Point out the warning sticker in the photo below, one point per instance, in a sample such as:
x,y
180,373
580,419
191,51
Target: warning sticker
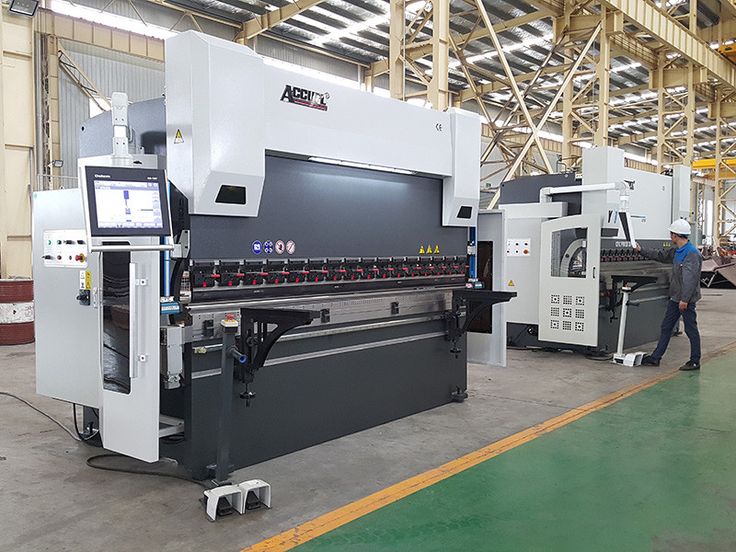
x,y
436,249
511,283
178,138
279,247
421,249
290,247
85,280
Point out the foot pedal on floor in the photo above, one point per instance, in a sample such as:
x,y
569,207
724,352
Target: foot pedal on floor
x,y
240,498
629,359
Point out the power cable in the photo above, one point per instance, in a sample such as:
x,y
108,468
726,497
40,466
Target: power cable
x,y
92,463
49,416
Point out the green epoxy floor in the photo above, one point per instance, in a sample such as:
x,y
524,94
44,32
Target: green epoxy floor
x,y
655,471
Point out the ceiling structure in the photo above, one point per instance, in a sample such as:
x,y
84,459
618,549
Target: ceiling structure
x,y
549,76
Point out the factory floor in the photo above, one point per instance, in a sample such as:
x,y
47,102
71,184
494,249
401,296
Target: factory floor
x,y
617,458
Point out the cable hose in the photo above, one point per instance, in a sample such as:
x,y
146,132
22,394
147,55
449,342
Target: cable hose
x,y
49,416
92,463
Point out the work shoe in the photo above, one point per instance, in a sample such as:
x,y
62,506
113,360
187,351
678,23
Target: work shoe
x,y
690,365
649,360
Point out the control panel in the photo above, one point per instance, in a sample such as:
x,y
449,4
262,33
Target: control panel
x,y
518,247
65,248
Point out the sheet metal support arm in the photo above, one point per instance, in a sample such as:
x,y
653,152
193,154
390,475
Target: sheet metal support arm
x,y
256,340
477,300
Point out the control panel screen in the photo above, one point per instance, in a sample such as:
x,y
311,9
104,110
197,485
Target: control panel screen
x,y
125,201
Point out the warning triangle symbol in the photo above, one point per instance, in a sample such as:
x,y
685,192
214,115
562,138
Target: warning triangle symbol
x,y
511,283
421,250
178,138
436,248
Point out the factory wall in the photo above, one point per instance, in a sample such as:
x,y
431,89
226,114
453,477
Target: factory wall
x,y
110,71
17,136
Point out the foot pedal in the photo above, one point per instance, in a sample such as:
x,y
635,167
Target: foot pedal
x,y
226,499
629,359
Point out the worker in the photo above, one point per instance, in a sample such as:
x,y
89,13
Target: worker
x,y
684,292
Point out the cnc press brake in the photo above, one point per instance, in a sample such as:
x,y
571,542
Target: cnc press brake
x,y
261,252
559,242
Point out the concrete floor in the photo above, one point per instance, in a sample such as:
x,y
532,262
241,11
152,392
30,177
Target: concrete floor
x,y
53,501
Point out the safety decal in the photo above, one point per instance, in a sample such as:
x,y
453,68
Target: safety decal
x,y
436,249
421,249
511,283
178,138
279,247
256,247
268,247
290,247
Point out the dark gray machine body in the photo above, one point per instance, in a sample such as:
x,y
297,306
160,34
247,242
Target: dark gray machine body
x,y
379,350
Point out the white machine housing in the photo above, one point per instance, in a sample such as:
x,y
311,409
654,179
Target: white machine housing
x,y
225,108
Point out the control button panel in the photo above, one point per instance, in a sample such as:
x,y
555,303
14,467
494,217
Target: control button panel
x,y
518,247
65,248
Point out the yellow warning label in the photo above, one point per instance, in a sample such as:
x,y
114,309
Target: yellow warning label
x,y
178,138
87,280
511,283
436,248
421,250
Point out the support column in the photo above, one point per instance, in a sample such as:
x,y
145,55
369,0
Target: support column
x,y
660,111
690,121
603,71
397,30
51,133
568,129
438,91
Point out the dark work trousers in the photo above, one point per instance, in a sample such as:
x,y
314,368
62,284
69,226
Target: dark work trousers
x,y
671,316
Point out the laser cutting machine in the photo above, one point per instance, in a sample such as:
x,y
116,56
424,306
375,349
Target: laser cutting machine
x,y
263,262
566,254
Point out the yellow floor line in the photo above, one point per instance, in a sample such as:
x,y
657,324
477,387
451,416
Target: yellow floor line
x,y
345,514
336,518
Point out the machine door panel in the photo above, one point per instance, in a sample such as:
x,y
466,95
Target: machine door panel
x,y
569,280
129,317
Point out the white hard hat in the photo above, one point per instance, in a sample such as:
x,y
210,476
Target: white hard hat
x,y
680,226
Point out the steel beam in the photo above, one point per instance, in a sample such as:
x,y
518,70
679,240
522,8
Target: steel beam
x,y
667,30
438,90
262,23
397,29
422,49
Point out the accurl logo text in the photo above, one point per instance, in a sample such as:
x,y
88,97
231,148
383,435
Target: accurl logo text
x,y
307,98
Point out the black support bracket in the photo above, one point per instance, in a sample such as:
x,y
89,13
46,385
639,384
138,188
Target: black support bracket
x,y
480,299
258,336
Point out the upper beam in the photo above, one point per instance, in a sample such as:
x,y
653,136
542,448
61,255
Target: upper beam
x,y
262,23
665,29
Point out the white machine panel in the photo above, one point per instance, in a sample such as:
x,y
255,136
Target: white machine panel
x,y
490,348
569,280
129,422
218,139
65,248
66,369
649,194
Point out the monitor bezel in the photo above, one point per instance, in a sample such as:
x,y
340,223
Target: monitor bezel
x,y
126,174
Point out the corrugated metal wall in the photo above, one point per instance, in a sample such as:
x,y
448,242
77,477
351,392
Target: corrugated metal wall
x,y
111,72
